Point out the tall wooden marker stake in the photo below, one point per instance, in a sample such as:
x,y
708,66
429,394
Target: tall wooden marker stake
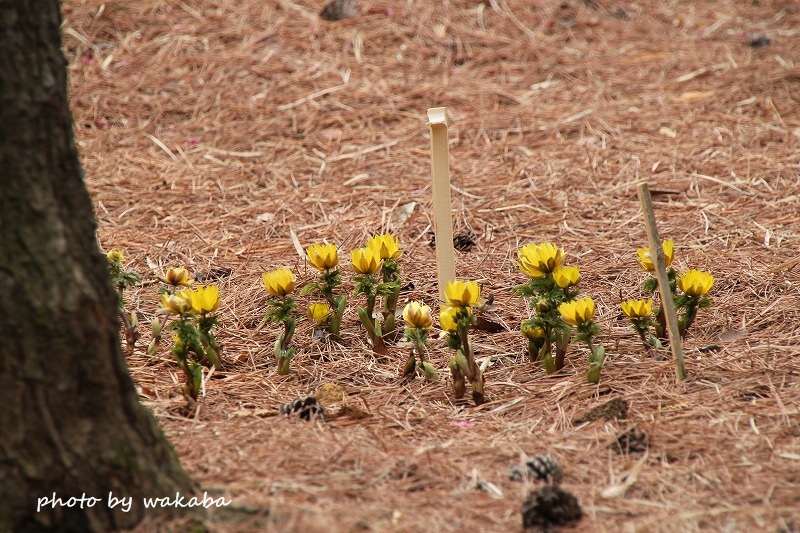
x,y
442,218
657,257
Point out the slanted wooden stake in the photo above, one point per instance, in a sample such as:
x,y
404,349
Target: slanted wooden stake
x,y
657,257
442,218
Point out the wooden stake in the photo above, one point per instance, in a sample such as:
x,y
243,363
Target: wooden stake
x,y
442,218
657,257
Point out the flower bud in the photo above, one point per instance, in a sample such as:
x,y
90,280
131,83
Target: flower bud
x,y
156,327
430,371
418,315
531,332
543,305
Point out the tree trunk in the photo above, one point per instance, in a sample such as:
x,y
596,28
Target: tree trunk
x,y
70,421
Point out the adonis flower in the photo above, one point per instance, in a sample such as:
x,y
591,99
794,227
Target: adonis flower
x,y
177,277
695,283
417,315
116,255
319,312
175,304
323,256
637,308
577,311
646,261
566,277
365,260
447,318
531,332
462,294
278,282
536,260
205,299
386,246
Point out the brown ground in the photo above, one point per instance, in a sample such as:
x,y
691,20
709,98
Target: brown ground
x,y
210,130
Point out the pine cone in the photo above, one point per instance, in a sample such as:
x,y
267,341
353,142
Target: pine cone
x,y
632,441
305,409
538,468
339,10
550,506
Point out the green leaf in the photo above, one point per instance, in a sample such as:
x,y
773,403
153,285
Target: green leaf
x,y
650,285
308,289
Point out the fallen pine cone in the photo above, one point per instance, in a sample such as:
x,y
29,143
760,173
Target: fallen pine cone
x,y
305,409
538,468
339,10
550,506
632,441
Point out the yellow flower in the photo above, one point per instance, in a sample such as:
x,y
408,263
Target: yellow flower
x,y
536,260
646,262
417,315
387,246
365,260
637,308
205,299
177,277
695,283
566,277
577,311
115,255
462,294
323,256
175,304
447,318
531,332
279,282
319,312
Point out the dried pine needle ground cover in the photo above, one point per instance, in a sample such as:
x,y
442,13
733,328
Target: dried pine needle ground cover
x,y
210,130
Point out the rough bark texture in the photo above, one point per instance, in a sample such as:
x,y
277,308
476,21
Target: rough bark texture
x,y
70,421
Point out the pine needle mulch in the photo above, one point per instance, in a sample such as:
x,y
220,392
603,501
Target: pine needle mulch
x,y
212,130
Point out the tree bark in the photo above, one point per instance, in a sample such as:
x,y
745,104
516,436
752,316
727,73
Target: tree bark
x,y
70,421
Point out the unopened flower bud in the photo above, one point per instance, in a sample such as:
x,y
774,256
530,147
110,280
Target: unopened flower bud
x,y
156,327
430,371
